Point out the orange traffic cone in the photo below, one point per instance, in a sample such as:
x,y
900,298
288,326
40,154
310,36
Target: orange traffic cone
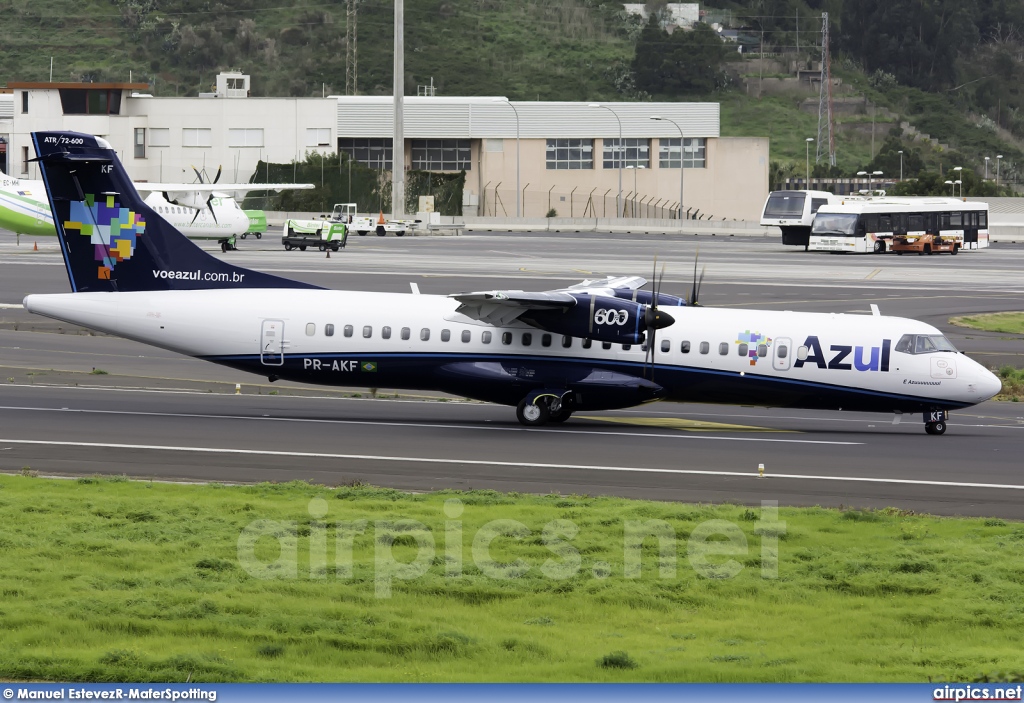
x,y
328,253
381,220
35,246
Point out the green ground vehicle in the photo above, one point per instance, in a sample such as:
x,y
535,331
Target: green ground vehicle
x,y
322,234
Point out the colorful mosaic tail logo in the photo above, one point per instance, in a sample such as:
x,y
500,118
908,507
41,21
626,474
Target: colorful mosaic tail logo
x,y
753,340
113,230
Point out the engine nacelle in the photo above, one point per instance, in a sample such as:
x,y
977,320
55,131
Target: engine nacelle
x,y
646,297
601,318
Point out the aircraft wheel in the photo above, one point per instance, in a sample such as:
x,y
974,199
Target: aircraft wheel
x,y
287,247
879,247
935,427
302,247
560,416
532,414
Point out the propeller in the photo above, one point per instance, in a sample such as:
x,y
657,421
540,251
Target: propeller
x,y
654,319
695,290
199,176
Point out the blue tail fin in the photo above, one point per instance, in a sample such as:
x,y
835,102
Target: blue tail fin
x,y
112,240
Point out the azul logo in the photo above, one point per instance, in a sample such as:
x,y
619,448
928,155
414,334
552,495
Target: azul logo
x,y
753,340
113,230
844,357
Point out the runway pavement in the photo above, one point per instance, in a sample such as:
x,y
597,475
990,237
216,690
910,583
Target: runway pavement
x,y
157,414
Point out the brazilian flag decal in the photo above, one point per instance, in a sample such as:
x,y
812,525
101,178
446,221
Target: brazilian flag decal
x,y
368,365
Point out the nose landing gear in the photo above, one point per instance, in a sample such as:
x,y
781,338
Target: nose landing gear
x,y
935,421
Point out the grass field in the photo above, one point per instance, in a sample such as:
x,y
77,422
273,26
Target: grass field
x,y
114,580
1008,322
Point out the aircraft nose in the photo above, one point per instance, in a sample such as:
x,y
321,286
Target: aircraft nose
x,y
989,384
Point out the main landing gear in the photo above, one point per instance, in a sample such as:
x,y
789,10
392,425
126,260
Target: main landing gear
x,y
935,421
544,407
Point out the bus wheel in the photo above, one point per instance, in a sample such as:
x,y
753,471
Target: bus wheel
x,y
879,247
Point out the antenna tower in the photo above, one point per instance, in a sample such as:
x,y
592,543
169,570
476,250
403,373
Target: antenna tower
x,y
825,132
351,54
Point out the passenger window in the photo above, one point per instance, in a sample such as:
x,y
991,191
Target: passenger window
x,y
328,330
367,332
466,336
406,333
310,329
545,340
566,341
782,351
348,330
801,353
705,347
587,343
385,333
723,348
527,339
606,345
506,338
485,337
666,345
684,347
425,334
742,349
762,350
446,335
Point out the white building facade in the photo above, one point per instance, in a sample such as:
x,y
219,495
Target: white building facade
x,y
576,159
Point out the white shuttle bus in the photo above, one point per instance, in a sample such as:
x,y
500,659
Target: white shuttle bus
x,y
924,225
793,211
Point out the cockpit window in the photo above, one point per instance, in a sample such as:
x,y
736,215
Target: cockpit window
x,y
924,344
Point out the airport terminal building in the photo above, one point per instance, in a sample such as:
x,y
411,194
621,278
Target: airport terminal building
x,y
564,156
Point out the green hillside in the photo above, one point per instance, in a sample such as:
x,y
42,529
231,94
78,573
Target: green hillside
x,y
953,71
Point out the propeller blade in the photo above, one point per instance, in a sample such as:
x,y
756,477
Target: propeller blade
x,y
217,177
194,217
209,204
198,175
703,270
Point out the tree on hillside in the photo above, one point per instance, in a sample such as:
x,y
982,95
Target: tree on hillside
x,y
932,183
887,160
684,62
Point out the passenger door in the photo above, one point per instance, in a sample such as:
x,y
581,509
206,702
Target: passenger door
x,y
272,343
782,354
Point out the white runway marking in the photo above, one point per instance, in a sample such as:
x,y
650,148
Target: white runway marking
x,y
489,428
512,464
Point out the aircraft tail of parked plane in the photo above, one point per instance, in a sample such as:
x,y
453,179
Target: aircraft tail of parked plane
x,y
111,239
585,347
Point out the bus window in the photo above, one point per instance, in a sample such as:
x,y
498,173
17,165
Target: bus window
x,y
884,223
872,222
817,203
956,220
899,223
915,222
785,204
944,221
983,219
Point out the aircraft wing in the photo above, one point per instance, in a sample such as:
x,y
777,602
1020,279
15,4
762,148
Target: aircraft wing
x,y
606,285
500,307
229,190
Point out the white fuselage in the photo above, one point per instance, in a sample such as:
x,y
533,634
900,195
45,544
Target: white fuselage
x,y
804,359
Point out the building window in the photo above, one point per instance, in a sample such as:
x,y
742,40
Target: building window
x,y
570,154
441,155
694,152
494,145
78,101
24,102
201,136
245,137
24,159
159,136
375,153
630,152
318,136
140,142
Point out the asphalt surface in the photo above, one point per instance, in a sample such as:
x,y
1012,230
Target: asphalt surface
x,y
157,414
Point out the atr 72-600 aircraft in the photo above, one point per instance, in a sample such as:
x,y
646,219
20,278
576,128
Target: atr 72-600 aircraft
x,y
197,210
549,354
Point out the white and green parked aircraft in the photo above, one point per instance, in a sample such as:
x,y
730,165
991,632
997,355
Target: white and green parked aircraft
x,y
197,210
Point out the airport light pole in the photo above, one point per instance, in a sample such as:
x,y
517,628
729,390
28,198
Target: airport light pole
x,y
959,182
999,160
952,188
514,110
901,165
682,158
864,174
398,140
986,168
622,157
807,160
874,173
